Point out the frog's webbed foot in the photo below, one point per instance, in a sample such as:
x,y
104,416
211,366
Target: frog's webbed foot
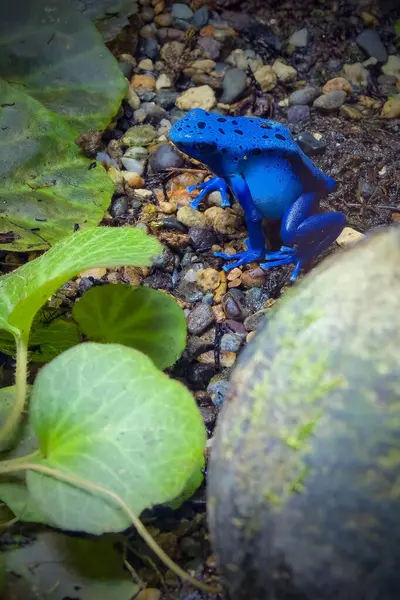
x,y
242,258
284,256
215,184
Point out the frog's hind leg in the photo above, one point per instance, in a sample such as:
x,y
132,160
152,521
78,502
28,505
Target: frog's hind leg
x,y
304,234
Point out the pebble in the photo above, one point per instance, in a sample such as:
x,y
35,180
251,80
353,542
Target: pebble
x,y
202,239
357,74
198,97
239,20
147,14
146,64
182,11
132,98
298,114
210,48
284,72
222,220
139,115
166,98
208,279
163,81
233,85
309,144
231,342
159,280
256,298
126,69
392,67
391,109
370,41
252,322
387,84
331,101
227,359
233,307
106,159
139,135
119,208
218,390
149,47
348,237
143,82
200,318
163,20
143,194
299,38
131,164
350,112
304,96
200,17
149,594
338,83
171,33
243,59
134,180
164,259
153,111
165,157
206,65
136,152
266,77
253,279
191,218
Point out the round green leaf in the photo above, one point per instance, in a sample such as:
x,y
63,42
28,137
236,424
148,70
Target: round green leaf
x,y
58,566
141,318
46,185
57,56
25,290
47,339
106,414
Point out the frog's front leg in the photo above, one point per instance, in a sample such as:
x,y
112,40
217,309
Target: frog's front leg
x,y
305,234
215,184
256,241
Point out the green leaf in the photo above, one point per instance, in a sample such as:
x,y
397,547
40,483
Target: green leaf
x,y
17,497
106,414
142,318
46,186
51,52
57,566
46,339
25,290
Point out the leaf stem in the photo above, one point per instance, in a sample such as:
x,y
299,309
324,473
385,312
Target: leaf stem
x,y
142,531
21,373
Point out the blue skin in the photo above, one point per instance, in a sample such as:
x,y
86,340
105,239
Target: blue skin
x,y
265,170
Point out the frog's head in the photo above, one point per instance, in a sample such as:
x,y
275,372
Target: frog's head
x,y
195,134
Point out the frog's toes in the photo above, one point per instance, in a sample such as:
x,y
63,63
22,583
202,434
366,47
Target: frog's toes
x,y
241,258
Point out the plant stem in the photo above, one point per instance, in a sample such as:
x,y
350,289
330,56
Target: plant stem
x,y
21,373
142,531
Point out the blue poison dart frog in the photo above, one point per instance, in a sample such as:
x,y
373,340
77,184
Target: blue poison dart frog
x,y
266,171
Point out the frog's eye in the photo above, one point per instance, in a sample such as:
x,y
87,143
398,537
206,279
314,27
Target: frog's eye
x,y
201,125
280,136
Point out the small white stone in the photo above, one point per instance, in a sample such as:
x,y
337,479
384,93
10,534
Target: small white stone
x,y
133,165
132,98
392,67
143,194
299,38
163,82
284,72
197,97
348,237
266,77
146,64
